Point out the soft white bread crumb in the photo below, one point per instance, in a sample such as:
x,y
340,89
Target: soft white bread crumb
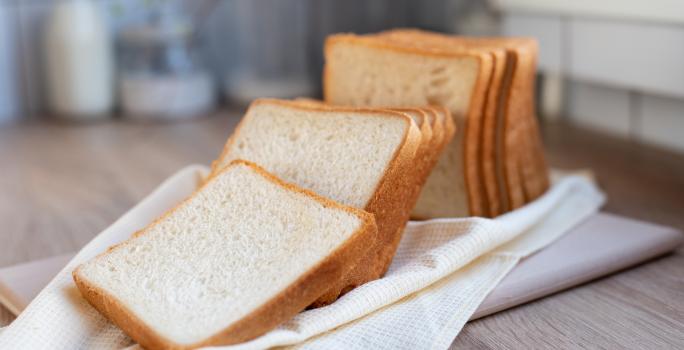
x,y
236,244
358,157
342,155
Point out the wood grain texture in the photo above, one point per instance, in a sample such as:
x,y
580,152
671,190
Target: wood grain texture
x,y
61,184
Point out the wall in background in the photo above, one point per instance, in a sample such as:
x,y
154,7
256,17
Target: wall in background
x,y
10,78
619,75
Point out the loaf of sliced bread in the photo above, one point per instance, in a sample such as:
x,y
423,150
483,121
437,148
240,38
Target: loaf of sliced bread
x,y
358,157
521,167
372,71
243,254
511,162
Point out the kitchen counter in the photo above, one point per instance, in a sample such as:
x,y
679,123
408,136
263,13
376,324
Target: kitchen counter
x,y
60,184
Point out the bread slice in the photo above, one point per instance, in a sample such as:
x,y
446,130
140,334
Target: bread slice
x,y
367,70
243,254
358,157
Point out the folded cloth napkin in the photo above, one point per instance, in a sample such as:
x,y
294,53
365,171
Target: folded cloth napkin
x,y
442,271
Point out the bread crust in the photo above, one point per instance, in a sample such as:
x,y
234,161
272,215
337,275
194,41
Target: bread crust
x,y
445,129
279,309
524,163
427,152
533,167
477,198
422,169
489,135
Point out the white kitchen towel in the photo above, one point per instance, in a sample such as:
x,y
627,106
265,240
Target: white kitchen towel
x,y
443,270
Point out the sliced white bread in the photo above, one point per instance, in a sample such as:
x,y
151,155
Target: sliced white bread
x,y
370,71
521,169
358,157
243,254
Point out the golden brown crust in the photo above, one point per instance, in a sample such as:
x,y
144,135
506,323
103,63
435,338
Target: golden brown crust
x,y
525,166
534,168
442,122
489,135
282,307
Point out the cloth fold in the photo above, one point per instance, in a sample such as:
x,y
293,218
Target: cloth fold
x,y
442,271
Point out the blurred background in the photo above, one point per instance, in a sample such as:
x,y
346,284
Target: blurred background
x,y
614,66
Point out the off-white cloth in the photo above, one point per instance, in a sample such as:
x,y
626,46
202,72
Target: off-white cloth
x,y
442,271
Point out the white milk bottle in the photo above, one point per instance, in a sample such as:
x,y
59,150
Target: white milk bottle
x,y
79,61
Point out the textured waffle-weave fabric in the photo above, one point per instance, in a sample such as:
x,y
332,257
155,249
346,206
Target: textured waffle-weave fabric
x,y
441,273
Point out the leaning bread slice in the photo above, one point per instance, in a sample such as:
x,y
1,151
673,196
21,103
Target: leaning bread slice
x,y
358,157
243,254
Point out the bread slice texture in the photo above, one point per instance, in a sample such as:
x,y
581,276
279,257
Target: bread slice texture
x,y
366,70
358,157
244,253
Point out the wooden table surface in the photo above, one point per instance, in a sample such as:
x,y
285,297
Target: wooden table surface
x,y
60,184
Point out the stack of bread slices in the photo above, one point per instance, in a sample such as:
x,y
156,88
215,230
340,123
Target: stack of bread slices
x,y
309,199
496,162
306,202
